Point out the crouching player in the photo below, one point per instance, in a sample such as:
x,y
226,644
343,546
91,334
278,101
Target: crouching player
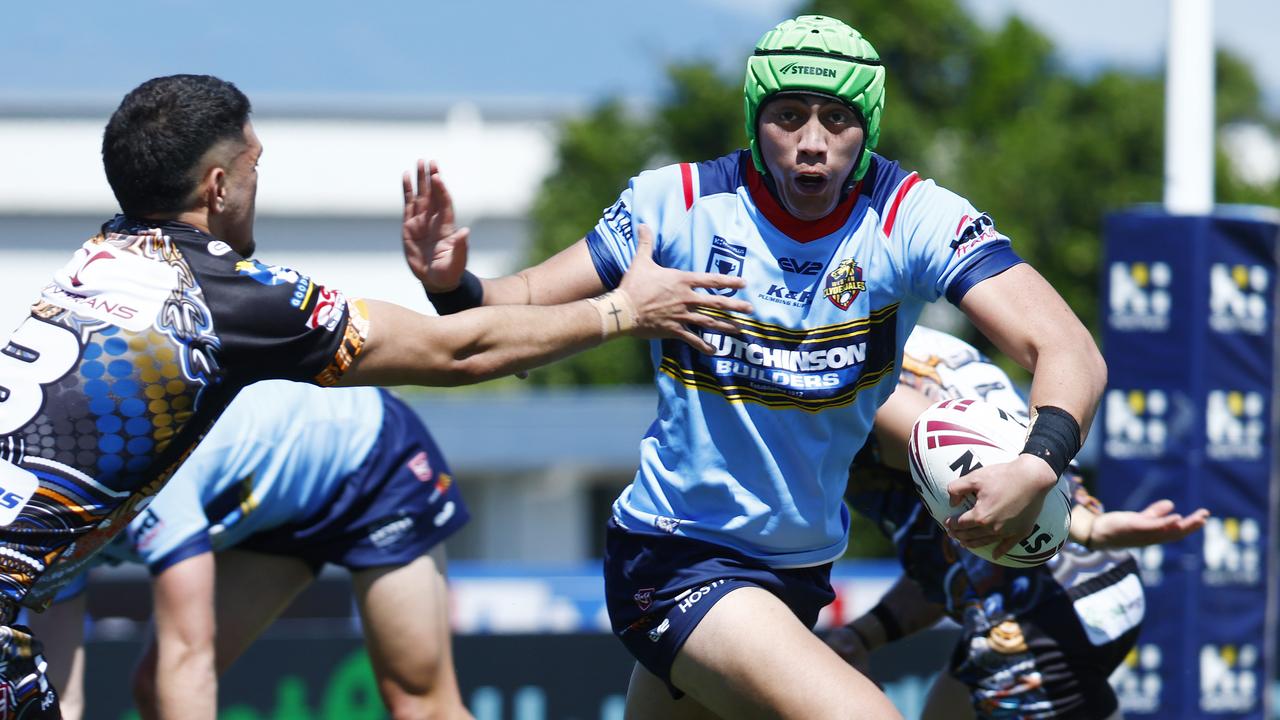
x,y
1036,642
292,477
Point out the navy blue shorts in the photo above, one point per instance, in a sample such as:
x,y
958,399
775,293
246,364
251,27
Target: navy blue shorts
x,y
394,509
659,587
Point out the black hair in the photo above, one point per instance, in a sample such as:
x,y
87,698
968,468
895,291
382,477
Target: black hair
x,y
160,132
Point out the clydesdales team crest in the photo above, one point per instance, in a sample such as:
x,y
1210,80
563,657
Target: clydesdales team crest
x,y
844,283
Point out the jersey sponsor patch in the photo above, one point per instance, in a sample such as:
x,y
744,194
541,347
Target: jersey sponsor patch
x,y
114,286
844,283
972,232
726,259
329,309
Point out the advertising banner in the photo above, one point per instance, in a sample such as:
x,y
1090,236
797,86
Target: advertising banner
x,y
1189,338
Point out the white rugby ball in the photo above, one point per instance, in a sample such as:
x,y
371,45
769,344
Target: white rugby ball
x,y
954,437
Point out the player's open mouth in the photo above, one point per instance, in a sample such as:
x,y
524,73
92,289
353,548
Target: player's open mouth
x,y
810,183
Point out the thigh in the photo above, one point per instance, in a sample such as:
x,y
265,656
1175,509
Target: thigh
x,y
406,624
252,590
648,697
750,657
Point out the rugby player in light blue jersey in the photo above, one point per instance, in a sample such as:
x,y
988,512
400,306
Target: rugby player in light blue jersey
x,y
290,478
718,554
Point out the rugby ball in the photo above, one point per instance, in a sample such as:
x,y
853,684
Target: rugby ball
x,y
955,437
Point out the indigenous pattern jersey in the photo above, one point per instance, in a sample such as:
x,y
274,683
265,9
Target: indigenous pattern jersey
x,y
752,445
131,352
279,454
976,593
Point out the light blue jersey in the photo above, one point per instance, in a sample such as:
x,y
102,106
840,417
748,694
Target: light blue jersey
x,y
277,455
752,446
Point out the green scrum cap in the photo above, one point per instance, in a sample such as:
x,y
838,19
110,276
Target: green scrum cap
x,y
821,55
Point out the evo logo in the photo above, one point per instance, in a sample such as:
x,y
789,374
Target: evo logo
x,y
1238,298
800,267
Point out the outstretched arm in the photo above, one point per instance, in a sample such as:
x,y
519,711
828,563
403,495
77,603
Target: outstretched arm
x,y
1155,524
1026,318
435,248
483,343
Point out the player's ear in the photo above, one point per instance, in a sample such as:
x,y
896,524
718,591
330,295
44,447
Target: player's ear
x,y
214,189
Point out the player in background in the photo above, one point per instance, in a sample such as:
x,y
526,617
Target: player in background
x,y
143,338
718,555
1037,643
290,478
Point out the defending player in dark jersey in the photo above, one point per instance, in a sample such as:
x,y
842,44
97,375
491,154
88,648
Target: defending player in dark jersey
x,y
158,320
1037,643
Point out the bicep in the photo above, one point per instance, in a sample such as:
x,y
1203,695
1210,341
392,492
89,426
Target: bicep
x,y
1022,314
401,347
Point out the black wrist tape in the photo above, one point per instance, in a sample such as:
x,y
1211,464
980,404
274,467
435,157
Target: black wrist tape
x,y
884,616
1054,437
468,294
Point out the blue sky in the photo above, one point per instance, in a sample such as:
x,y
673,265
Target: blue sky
x,y
555,50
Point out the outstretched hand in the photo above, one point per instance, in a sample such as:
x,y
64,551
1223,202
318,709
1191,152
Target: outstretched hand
x,y
1007,500
434,247
1155,524
666,301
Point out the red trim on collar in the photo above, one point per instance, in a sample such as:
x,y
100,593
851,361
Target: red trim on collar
x,y
686,179
795,228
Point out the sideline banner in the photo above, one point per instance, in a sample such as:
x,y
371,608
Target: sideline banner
x,y
1190,341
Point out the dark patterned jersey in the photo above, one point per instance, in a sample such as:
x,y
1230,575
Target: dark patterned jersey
x,y
129,355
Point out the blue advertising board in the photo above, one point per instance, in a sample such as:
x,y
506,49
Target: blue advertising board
x,y
1189,337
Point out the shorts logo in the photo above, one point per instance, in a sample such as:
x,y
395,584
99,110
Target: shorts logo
x,y
726,259
844,283
1136,423
1230,679
1137,681
1238,298
656,634
445,514
1232,551
1235,423
330,308
644,599
1139,297
687,599
420,466
390,532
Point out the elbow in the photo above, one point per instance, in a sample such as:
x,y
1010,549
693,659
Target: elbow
x,y
1097,370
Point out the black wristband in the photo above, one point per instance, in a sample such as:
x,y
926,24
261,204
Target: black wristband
x,y
468,294
888,623
1054,437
